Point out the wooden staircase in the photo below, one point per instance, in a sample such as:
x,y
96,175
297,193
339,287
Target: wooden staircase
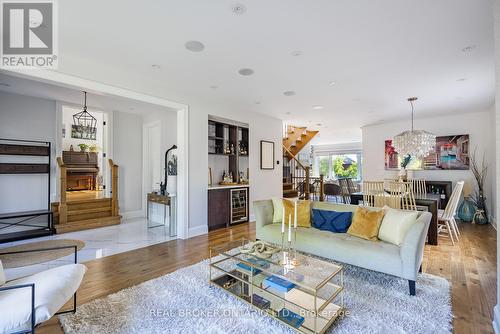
x,y
84,214
295,175
296,139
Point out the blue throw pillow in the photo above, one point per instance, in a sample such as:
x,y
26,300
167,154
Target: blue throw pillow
x,y
332,221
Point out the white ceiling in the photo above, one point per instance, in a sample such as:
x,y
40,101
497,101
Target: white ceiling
x,y
377,52
95,100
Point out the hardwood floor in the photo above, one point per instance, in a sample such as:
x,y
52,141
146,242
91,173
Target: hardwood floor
x,y
470,266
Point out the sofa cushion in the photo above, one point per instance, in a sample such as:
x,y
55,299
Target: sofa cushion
x,y
332,221
375,255
366,223
278,210
303,212
395,225
53,288
2,274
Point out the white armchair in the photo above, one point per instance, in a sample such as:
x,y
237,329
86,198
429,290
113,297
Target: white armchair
x,y
28,301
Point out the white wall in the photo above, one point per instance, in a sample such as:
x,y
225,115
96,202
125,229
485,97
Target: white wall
x,y
168,121
476,124
127,154
29,118
264,184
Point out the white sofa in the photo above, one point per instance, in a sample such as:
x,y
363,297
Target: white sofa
x,y
42,294
403,261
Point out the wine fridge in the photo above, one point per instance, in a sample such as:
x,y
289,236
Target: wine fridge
x,y
239,205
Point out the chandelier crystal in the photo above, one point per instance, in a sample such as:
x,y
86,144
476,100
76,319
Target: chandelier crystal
x,y
416,143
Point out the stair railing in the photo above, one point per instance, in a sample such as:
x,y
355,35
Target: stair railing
x,y
63,208
114,188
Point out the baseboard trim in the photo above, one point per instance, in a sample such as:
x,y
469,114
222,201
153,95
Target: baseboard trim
x,y
493,222
496,319
197,230
132,214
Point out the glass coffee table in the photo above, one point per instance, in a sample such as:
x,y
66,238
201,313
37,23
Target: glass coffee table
x,y
307,296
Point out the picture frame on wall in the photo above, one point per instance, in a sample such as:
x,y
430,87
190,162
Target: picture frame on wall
x,y
266,155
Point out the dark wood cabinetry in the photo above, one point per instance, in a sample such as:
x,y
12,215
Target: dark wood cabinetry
x,y
219,209
227,206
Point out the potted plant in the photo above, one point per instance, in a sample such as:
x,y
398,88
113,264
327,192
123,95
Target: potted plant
x,y
83,147
94,148
478,197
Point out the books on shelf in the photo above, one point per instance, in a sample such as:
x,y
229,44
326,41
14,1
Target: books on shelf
x,y
257,262
291,318
278,284
248,268
260,302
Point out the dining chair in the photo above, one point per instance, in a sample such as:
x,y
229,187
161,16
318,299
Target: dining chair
x,y
401,196
419,187
446,217
373,193
344,191
334,190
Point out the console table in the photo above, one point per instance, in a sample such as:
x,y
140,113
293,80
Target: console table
x,y
169,201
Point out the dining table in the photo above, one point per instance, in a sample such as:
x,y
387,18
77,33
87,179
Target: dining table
x,y
426,202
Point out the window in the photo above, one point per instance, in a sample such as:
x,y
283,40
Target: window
x,y
338,165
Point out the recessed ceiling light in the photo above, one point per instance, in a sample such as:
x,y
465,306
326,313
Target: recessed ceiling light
x,y
318,107
239,9
214,87
246,71
469,48
297,53
288,113
257,102
461,79
156,66
332,83
356,99
4,84
195,46
318,124
289,93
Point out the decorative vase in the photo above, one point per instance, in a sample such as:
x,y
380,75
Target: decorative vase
x,y
466,210
480,217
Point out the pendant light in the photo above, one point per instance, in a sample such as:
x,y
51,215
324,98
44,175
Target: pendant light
x,y
416,143
85,123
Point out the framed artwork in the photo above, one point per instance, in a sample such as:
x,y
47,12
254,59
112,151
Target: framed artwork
x,y
450,153
266,154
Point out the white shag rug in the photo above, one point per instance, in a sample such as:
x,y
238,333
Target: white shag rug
x,y
184,302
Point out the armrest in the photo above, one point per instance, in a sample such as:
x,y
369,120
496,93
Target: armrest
x,y
74,247
263,213
412,249
24,286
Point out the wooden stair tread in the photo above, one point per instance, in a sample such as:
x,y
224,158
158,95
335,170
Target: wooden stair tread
x,y
87,224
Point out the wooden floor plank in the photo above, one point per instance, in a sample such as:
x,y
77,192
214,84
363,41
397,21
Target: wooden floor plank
x,y
470,267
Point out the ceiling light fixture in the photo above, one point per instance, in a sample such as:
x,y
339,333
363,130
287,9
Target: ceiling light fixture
x,y
156,66
85,123
289,93
257,102
288,113
318,107
239,9
246,71
332,83
4,84
214,87
194,46
414,143
461,79
297,53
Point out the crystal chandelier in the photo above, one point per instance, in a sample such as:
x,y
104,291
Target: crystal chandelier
x,y
416,143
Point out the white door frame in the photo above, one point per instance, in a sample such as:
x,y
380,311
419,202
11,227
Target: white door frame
x,y
65,80
146,162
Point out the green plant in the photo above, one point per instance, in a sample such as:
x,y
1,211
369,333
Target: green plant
x,y
345,170
94,148
83,147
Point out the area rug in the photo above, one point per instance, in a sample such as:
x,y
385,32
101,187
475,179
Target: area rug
x,y
27,259
184,302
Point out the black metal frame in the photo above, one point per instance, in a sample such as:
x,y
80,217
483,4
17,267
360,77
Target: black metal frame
x,y
32,285
49,230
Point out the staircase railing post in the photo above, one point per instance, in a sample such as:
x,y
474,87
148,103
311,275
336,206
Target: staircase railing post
x,y
114,188
63,208
306,184
321,188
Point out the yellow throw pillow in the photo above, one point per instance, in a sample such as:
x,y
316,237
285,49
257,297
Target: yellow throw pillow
x,y
303,212
366,223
